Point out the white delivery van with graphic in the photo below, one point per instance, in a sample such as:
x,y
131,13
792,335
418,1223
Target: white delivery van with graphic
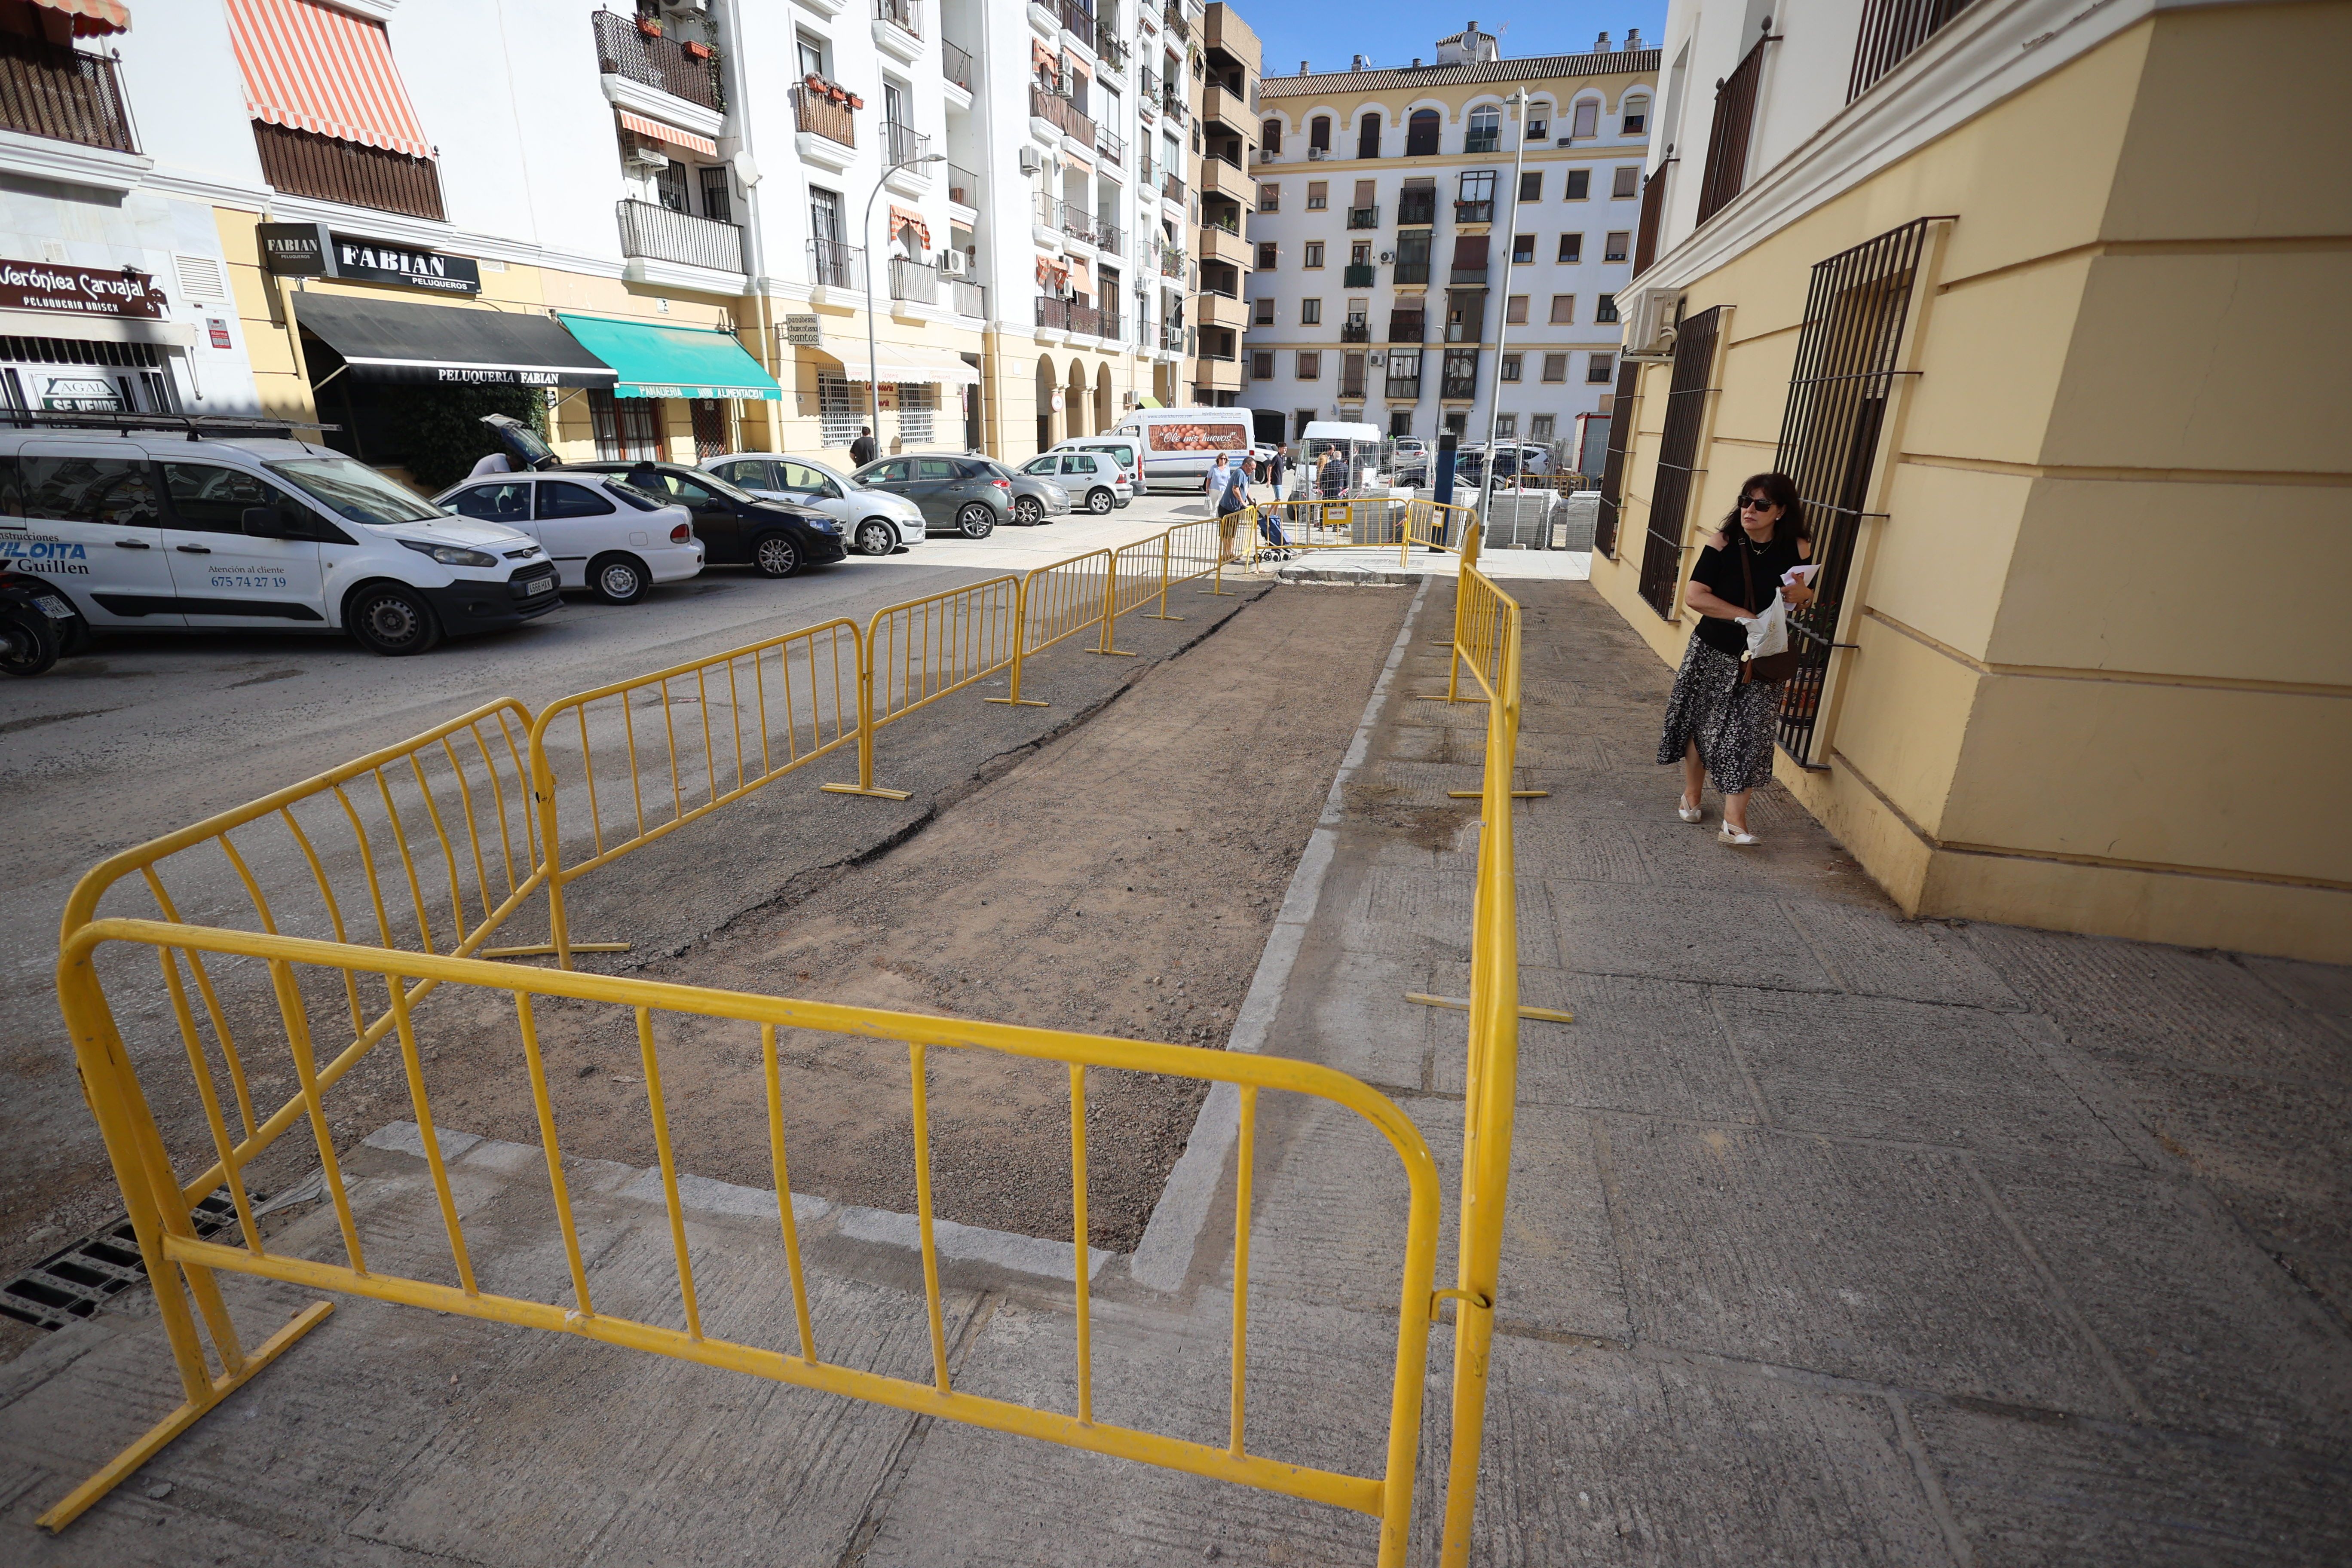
x,y
1181,445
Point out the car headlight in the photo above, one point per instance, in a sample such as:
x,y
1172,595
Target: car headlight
x,y
824,525
451,555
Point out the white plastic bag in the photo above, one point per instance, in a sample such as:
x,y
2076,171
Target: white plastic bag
x,y
1768,631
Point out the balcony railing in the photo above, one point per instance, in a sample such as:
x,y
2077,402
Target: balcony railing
x,y
1411,272
1727,140
820,116
1076,222
1406,328
832,264
1891,30
1404,388
62,94
1110,146
1171,103
1172,187
1110,327
1466,274
1078,22
906,15
914,281
1110,241
1147,81
1054,311
1459,387
1474,212
1351,387
1172,339
1173,15
1413,210
1085,318
1354,331
963,186
1109,49
1061,114
304,164
650,230
1359,275
623,49
903,143
970,298
1364,217
955,63
1171,263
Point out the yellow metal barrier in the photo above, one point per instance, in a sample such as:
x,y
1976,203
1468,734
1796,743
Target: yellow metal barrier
x,y
1486,640
918,652
783,703
1363,523
176,1256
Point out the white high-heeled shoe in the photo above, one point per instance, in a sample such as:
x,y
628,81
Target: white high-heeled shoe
x,y
1736,836
1689,813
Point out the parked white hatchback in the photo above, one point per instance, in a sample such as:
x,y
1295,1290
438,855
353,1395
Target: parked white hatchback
x,y
1095,482
606,536
875,522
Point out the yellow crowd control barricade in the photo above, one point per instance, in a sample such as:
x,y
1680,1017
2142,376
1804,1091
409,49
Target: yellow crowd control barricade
x,y
1282,528
1488,642
681,742
184,1268
920,651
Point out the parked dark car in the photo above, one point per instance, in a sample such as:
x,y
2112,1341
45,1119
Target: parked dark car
x,y
971,495
776,538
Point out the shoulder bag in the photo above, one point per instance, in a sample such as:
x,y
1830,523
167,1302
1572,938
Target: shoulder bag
x,y
1773,669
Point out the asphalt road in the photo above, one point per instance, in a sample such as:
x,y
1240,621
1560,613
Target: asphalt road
x,y
146,734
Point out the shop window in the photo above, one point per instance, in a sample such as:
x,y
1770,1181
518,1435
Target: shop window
x,y
1555,367
1626,182
625,427
918,409
1580,185
1563,310
1572,249
1600,368
1511,367
1310,312
838,410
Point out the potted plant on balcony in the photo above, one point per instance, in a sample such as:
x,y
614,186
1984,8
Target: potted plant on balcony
x,y
649,25
699,51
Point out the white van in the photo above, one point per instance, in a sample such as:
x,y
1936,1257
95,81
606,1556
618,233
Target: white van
x,y
156,522
1181,445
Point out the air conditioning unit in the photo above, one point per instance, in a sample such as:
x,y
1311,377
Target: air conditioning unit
x,y
1031,161
645,160
1317,154
952,262
1650,317
687,7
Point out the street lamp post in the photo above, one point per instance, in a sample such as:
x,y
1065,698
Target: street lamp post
x,y
873,353
1518,100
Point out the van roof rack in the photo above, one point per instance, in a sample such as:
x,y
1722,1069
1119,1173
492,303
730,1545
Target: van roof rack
x,y
195,425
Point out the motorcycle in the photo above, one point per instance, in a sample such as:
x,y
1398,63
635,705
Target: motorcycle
x,y
37,625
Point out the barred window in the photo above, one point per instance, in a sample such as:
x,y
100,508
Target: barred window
x,y
918,407
837,406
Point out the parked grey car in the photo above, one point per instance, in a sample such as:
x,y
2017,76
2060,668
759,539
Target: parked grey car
x,y
1036,498
970,495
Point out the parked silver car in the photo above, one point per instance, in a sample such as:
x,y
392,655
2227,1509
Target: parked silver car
x,y
875,522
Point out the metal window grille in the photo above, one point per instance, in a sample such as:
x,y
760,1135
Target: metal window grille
x,y
1654,202
1614,464
1662,555
1891,30
1727,140
919,407
1854,313
836,411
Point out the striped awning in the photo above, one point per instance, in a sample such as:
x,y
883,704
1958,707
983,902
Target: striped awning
x,y
309,67
900,218
91,17
669,134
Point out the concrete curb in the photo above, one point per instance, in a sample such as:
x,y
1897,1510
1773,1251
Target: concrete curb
x,y
1164,1257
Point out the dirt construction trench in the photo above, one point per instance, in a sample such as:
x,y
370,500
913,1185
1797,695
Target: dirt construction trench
x,y
1120,881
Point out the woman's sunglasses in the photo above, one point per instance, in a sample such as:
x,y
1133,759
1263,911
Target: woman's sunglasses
x,y
1754,503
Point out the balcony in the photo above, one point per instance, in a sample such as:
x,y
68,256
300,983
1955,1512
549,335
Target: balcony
x,y
1053,313
1474,212
1146,82
970,298
653,232
64,95
1219,106
625,49
1406,327
1459,388
1891,30
1075,221
1171,103
1171,262
1358,276
1354,331
963,187
1402,389
955,63
1080,23
904,144
819,119
303,164
1476,142
913,282
1061,114
1172,188
1110,147
1114,55
1410,272
1727,139
1110,329
1364,217
1468,274
1415,208
1086,318
899,29
1351,387
1172,15
1109,240
1171,339
832,264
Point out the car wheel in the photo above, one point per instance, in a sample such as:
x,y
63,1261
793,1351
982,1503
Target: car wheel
x,y
875,537
976,520
1028,512
1100,501
388,619
775,556
28,641
618,579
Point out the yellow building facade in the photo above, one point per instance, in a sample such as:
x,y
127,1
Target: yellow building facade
x,y
2075,681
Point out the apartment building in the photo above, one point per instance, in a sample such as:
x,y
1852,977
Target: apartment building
x,y
2044,308
1397,256
686,225
1224,84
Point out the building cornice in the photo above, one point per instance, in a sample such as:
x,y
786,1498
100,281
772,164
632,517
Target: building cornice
x,y
1538,68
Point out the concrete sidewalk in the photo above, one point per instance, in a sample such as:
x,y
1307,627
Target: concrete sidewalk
x,y
1834,1238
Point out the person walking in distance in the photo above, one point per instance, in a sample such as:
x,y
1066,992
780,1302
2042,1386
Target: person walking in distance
x,y
1721,713
862,451
1274,466
1220,487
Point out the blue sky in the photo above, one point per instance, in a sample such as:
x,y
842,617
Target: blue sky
x,y
1392,32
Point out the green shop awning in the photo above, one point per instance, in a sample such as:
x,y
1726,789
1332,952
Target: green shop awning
x,y
672,361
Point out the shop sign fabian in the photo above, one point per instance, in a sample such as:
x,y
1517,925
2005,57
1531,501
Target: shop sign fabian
x,y
309,251
79,290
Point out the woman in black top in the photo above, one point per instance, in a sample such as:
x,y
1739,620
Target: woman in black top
x,y
1715,723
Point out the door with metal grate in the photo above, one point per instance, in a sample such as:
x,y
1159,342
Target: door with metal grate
x,y
1670,491
709,429
1846,355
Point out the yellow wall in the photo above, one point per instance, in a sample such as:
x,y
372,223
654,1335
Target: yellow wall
x,y
2088,691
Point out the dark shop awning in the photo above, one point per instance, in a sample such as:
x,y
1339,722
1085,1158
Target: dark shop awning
x,y
446,345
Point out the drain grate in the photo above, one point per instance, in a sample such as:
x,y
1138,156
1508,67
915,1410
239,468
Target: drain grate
x,y
69,1286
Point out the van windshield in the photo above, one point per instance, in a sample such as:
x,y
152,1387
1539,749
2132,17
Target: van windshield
x,y
355,491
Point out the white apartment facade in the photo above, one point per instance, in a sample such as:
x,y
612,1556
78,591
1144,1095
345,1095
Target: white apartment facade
x,y
1396,257
710,190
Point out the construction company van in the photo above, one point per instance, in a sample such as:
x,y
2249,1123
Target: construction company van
x,y
1181,445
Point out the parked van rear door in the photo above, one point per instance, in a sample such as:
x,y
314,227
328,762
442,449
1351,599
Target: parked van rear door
x,y
92,524
227,577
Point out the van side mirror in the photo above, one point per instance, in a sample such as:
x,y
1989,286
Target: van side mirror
x,y
272,522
